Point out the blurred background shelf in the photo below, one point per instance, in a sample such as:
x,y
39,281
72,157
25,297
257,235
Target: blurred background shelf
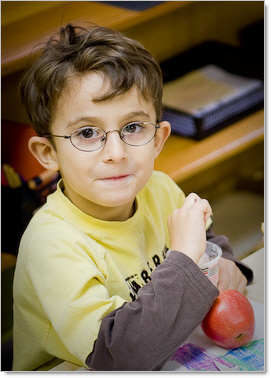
x,y
212,167
26,24
166,29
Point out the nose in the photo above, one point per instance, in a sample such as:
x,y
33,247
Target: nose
x,y
114,149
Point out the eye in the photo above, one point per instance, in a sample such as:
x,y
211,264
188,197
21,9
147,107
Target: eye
x,y
133,128
87,133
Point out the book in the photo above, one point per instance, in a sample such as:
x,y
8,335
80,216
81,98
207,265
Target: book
x,y
209,98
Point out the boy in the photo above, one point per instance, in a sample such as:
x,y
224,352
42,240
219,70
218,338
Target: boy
x,y
95,283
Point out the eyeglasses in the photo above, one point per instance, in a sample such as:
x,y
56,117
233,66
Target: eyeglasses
x,y
90,138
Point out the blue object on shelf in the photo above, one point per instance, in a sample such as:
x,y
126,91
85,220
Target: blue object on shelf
x,y
134,5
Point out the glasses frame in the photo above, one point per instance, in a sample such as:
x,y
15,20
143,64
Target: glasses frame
x,y
104,137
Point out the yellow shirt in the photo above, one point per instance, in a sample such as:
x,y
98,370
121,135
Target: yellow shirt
x,y
73,269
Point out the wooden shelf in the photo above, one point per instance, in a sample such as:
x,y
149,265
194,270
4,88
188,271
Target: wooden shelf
x,y
21,36
183,158
165,30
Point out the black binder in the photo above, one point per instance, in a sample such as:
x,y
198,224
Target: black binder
x,y
247,95
237,63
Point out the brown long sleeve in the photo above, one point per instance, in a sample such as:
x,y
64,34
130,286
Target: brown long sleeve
x,y
142,335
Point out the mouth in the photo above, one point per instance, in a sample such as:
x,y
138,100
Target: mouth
x,y
115,178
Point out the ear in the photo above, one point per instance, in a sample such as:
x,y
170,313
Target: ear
x,y
161,136
44,152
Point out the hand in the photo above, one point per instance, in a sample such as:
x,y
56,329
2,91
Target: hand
x,y
230,276
187,227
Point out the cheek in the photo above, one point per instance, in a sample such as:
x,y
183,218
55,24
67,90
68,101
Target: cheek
x,y
72,164
147,154
145,160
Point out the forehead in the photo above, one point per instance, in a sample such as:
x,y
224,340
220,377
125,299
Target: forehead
x,y
91,85
79,98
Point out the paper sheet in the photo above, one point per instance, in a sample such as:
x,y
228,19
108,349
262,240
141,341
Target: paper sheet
x,y
199,353
205,89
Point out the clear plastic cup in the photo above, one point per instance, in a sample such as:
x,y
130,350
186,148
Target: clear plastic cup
x,y
208,263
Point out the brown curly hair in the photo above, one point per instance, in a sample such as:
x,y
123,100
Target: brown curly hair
x,y
76,50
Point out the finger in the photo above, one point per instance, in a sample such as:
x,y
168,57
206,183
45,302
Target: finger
x,y
242,285
191,199
237,279
223,282
232,277
222,285
204,206
224,274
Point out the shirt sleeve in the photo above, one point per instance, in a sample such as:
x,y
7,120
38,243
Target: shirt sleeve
x,y
227,253
143,334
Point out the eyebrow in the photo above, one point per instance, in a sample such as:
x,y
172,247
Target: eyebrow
x,y
139,113
81,119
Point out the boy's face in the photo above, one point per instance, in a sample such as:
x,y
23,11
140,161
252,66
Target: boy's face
x,y
104,183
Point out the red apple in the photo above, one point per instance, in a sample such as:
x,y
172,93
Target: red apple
x,y
230,322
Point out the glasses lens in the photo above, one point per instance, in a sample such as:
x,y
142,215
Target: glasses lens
x,y
88,138
138,133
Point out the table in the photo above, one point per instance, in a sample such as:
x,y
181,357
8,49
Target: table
x,y
254,292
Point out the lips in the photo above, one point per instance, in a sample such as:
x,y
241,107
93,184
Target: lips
x,y
115,178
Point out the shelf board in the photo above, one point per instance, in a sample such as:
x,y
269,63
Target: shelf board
x,y
20,36
183,158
